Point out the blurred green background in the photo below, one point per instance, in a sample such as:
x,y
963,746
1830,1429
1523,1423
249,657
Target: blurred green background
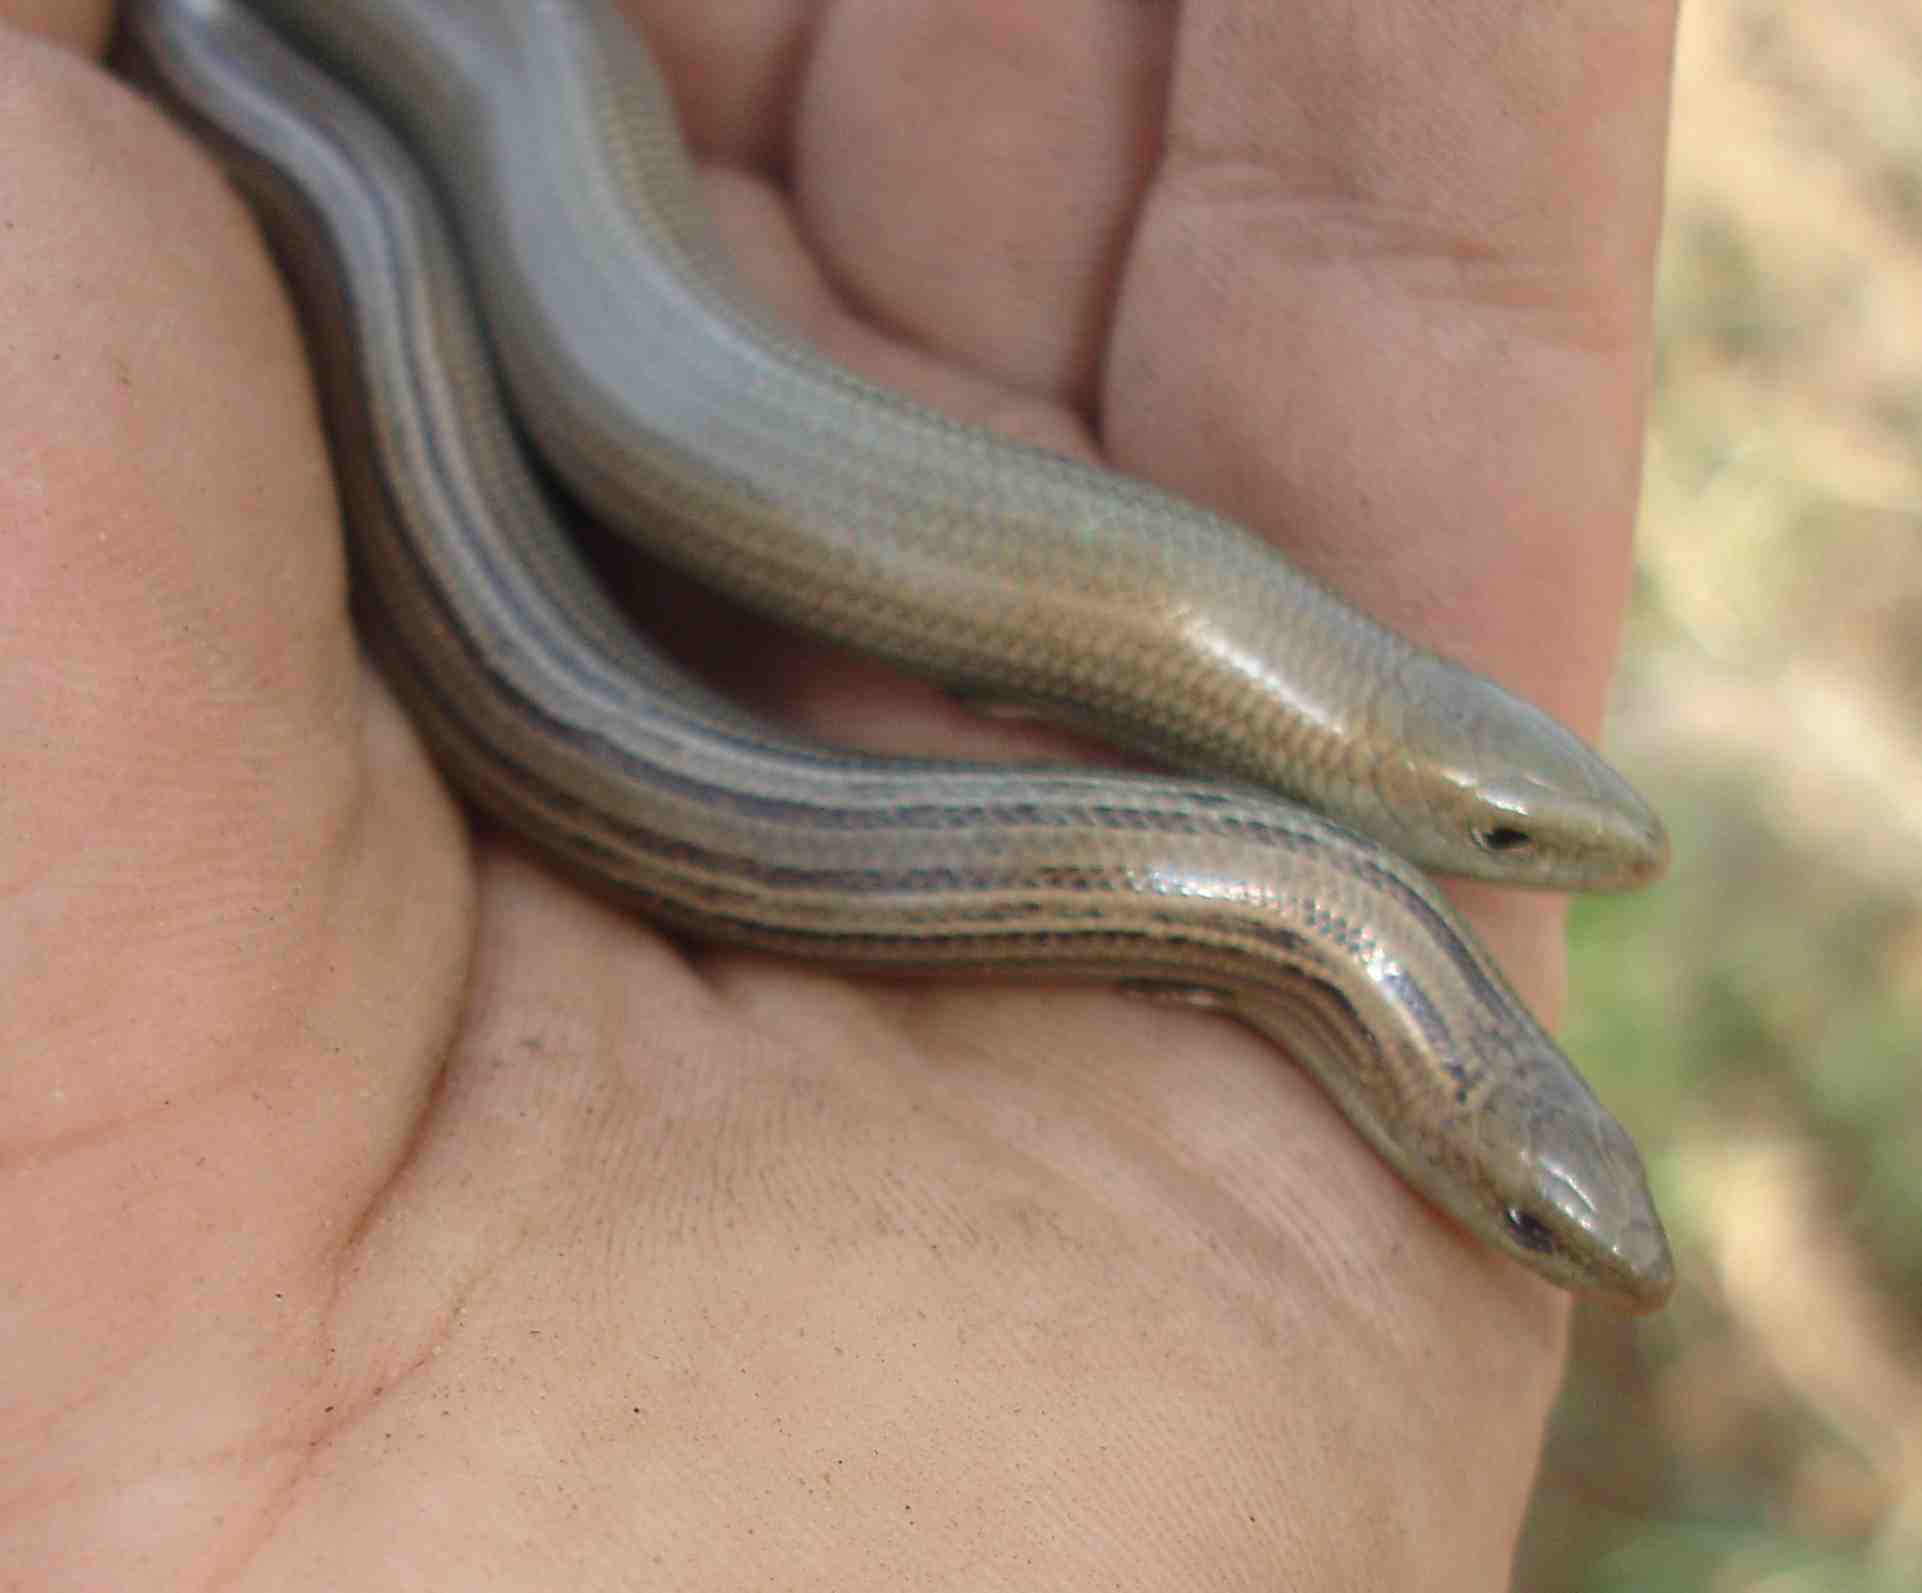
x,y
1757,1019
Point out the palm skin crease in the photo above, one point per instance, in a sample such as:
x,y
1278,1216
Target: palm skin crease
x,y
382,1211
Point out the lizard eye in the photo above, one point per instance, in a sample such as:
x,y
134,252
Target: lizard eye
x,y
1503,838
1530,1232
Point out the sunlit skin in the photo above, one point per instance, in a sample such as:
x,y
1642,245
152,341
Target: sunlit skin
x,y
353,1164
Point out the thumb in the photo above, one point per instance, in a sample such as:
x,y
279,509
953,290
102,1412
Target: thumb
x,y
232,895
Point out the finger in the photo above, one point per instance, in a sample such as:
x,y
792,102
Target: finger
x,y
954,180
733,72
80,25
1390,300
969,170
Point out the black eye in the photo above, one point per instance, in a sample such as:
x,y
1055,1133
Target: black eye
x,y
1503,838
1531,1233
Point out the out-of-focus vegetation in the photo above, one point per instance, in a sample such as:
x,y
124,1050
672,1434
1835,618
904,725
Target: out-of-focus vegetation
x,y
1757,1020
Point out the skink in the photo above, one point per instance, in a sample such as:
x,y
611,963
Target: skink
x,y
548,712
680,414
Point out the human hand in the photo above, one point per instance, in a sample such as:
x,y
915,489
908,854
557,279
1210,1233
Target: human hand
x,y
386,1211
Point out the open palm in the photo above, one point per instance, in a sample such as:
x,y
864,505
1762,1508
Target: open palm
x,y
382,1211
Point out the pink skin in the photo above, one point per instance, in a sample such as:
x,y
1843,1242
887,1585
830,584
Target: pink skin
x,y
381,1209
